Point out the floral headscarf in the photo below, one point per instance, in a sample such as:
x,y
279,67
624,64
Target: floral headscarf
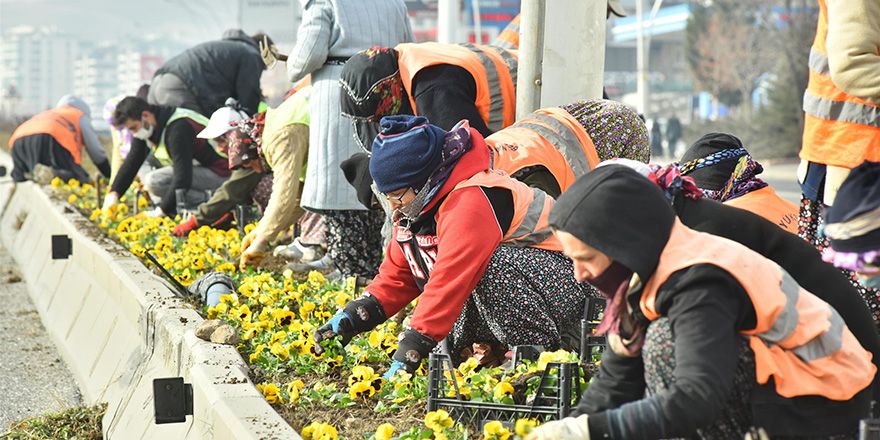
x,y
246,141
616,130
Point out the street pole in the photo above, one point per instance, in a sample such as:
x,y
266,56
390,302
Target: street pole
x,y
641,77
531,55
573,71
448,17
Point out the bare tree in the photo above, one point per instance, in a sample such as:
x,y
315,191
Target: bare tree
x,y
729,50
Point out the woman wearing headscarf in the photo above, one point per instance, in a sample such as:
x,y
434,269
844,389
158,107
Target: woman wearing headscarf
x,y
549,148
470,242
800,259
276,140
726,172
331,32
752,351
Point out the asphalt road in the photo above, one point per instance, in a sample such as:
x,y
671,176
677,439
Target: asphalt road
x,y
33,378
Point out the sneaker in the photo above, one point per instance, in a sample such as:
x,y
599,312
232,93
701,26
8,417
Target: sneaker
x,y
324,265
298,251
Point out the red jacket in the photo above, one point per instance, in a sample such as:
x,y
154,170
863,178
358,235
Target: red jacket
x,y
454,246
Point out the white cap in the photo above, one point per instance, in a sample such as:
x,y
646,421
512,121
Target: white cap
x,y
223,120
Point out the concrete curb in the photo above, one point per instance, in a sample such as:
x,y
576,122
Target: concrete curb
x,y
118,327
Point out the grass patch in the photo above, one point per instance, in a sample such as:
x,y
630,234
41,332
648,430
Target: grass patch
x,y
80,422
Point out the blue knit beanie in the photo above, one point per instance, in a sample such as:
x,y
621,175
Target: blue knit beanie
x,y
405,153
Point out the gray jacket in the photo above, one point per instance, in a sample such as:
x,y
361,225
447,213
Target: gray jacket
x,y
216,70
337,29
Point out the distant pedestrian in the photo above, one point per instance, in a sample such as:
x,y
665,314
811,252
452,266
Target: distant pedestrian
x,y
656,139
673,134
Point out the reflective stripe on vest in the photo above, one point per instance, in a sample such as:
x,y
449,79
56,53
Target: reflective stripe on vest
x,y
766,203
493,70
62,123
530,226
550,137
161,152
839,129
799,340
509,37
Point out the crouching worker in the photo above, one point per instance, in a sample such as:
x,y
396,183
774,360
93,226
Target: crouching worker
x,y
170,133
706,338
726,172
274,141
472,243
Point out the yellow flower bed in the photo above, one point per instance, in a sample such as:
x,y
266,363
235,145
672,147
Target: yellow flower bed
x,y
276,315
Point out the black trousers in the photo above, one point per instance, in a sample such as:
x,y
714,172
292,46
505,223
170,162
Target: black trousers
x,y
42,148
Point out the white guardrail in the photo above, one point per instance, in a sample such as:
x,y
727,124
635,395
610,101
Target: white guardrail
x,y
118,327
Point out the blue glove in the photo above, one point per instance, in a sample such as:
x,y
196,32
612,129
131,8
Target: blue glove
x,y
339,325
395,367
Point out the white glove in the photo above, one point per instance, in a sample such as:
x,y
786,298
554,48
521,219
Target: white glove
x,y
569,428
155,212
110,200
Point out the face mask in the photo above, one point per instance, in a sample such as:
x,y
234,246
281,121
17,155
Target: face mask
x,y
870,281
144,133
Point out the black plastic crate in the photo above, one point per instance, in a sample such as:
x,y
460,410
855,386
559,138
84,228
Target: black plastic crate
x,y
556,395
591,345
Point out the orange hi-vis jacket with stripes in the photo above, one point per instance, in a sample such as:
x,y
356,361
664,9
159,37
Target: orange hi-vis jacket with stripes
x,y
799,340
529,226
839,129
766,203
62,123
493,69
550,137
509,37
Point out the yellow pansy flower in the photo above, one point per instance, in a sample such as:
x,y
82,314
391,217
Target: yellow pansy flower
x,y
384,431
494,430
438,420
525,426
270,392
503,389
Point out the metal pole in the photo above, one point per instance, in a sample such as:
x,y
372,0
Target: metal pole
x,y
448,16
478,23
573,72
642,77
531,57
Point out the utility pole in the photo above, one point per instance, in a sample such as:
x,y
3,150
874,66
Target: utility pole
x,y
641,74
550,66
448,18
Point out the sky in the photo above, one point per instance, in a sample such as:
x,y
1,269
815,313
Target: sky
x,y
188,21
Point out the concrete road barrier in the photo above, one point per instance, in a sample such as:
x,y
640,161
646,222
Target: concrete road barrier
x,y
118,327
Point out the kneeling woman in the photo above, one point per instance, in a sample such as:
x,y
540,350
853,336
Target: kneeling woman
x,y
471,242
706,338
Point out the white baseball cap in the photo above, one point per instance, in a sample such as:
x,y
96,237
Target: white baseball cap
x,y
223,120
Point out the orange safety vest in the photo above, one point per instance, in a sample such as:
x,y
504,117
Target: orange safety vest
x,y
509,37
62,123
766,203
799,339
839,129
550,137
493,69
530,226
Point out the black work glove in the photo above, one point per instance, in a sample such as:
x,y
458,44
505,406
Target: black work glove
x,y
358,316
411,350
